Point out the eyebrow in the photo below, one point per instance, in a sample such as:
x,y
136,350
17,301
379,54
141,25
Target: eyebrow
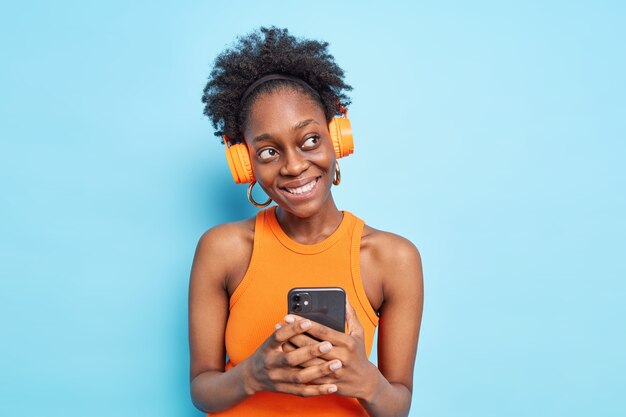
x,y
297,126
303,123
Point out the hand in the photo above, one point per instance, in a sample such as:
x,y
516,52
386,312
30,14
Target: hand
x,y
358,376
270,368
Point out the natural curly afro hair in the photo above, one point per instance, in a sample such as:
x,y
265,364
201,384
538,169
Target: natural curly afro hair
x,y
270,51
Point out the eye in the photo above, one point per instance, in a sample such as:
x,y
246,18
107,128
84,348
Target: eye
x,y
311,142
267,154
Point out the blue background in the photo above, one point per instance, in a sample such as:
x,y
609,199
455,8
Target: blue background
x,y
491,134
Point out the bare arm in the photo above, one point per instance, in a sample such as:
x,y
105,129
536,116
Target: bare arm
x,y
212,389
399,326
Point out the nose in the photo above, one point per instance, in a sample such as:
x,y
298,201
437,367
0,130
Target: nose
x,y
293,164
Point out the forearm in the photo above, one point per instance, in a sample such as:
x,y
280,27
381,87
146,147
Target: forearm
x,y
214,391
387,399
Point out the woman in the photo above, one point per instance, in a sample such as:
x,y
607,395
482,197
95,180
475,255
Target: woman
x,y
276,96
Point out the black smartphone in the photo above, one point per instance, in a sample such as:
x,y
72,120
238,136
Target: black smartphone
x,y
324,305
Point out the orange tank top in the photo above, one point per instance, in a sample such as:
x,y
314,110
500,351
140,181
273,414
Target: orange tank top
x,y
279,264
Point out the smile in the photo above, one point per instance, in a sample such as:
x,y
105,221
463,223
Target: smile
x,y
304,188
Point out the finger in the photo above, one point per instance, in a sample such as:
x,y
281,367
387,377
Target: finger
x,y
329,379
312,362
284,333
354,325
304,354
306,375
301,340
288,347
303,390
291,318
321,332
321,371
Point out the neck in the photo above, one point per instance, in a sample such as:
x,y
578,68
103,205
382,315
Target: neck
x,y
312,229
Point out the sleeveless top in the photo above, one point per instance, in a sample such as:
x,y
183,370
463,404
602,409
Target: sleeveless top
x,y
279,264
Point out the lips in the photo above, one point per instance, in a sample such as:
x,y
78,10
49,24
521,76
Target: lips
x,y
301,188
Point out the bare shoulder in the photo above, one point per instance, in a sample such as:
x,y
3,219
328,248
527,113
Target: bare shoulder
x,y
227,237
391,267
388,249
224,251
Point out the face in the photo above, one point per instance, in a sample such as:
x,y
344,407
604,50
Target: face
x,y
291,151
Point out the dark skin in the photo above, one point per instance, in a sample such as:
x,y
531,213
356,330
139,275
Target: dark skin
x,y
290,147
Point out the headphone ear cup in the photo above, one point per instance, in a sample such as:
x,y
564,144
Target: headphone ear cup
x,y
239,163
341,135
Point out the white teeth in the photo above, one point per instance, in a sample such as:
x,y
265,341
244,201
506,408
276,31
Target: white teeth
x,y
304,189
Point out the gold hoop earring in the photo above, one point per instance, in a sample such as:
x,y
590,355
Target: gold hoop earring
x,y
337,179
254,203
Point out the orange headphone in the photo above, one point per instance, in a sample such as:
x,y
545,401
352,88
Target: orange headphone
x,y
238,156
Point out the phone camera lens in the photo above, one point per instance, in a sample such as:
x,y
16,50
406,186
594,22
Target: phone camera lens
x,y
297,308
296,297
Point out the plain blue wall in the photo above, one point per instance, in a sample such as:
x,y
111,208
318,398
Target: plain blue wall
x,y
491,135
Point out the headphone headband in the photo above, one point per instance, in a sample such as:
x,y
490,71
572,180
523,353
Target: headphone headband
x,y
271,77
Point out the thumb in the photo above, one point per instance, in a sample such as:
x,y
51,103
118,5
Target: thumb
x,y
354,325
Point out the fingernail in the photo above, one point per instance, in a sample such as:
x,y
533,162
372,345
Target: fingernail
x,y
305,324
335,365
278,326
289,319
332,389
325,347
